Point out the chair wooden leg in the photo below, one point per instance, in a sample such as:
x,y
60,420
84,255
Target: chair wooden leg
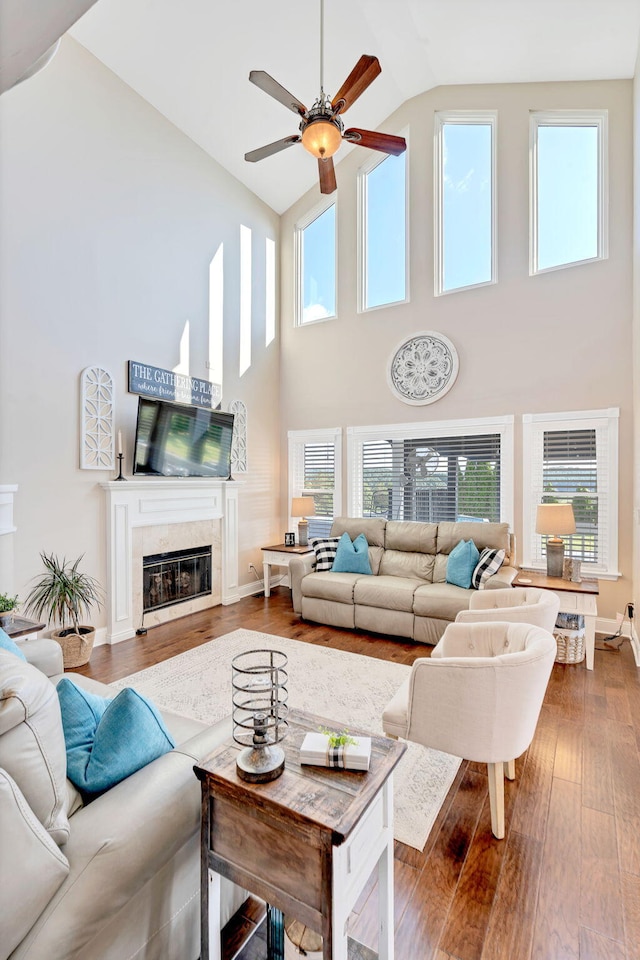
x,y
510,770
496,798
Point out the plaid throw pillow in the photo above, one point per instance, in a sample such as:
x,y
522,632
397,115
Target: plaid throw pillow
x,y
489,563
325,549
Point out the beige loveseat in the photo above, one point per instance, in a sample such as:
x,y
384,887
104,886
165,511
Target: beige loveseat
x,y
117,879
407,596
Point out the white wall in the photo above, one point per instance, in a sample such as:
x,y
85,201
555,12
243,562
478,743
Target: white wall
x,y
555,342
636,336
110,218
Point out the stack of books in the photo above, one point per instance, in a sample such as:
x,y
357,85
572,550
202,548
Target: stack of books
x,y
315,751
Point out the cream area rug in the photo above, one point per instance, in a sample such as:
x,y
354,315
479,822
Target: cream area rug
x,y
348,689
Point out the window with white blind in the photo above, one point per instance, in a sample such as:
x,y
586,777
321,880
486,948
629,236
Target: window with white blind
x,y
573,458
315,470
315,254
430,472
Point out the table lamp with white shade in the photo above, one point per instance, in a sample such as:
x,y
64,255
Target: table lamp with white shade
x,y
303,507
555,520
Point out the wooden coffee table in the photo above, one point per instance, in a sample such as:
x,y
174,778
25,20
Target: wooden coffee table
x,y
306,842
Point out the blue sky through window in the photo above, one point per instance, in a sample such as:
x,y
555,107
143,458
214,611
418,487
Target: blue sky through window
x,y
319,267
386,233
466,204
567,194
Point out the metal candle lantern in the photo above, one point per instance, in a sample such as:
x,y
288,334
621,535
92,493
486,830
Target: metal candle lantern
x,y
259,682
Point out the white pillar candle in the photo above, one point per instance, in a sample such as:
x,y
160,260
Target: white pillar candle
x,y
119,442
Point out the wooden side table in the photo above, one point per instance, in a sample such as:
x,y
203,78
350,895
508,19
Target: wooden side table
x,y
280,556
574,598
22,629
306,842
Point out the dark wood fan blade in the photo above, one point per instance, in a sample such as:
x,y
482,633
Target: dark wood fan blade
x,y
271,148
327,176
376,141
277,91
364,73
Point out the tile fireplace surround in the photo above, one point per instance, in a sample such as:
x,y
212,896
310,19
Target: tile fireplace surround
x,y
170,506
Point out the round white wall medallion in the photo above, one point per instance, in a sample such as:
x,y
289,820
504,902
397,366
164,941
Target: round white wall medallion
x,y
423,368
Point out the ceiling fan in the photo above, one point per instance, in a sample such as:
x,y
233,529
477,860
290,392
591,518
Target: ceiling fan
x,y
321,127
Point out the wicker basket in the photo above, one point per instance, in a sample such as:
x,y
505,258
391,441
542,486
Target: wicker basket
x,y
571,647
76,647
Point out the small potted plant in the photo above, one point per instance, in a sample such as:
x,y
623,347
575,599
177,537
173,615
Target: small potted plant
x,y
65,595
7,606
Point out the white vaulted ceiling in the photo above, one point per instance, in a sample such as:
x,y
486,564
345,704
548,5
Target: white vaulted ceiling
x,y
191,59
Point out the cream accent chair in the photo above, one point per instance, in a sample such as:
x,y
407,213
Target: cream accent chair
x,y
515,604
478,697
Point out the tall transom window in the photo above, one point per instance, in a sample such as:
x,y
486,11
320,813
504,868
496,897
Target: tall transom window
x,y
315,267
568,172
382,232
465,220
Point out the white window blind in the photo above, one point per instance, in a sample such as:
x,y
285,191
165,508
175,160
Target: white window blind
x,y
314,471
573,461
430,474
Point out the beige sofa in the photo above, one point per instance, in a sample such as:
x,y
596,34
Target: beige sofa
x,y
408,595
117,878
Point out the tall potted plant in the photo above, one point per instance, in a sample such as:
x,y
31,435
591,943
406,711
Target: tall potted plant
x,y
65,595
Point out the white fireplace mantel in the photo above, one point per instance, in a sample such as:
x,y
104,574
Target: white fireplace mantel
x,y
141,503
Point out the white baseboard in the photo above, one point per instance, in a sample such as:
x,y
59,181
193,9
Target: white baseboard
x,y
252,589
635,645
610,627
101,637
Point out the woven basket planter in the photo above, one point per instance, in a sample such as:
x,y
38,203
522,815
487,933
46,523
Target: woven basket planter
x,y
571,648
76,647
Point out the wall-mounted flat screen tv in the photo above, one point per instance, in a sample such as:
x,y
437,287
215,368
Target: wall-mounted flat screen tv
x,y
176,440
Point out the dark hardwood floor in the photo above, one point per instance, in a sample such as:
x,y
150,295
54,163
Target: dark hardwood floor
x,y
565,881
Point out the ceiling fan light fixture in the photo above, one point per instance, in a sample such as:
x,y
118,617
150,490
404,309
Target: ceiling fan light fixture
x,y
322,138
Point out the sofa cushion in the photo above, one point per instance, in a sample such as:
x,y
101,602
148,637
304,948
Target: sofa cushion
x,y
489,563
407,535
24,843
6,643
398,563
32,747
390,593
494,535
325,549
443,601
372,528
108,740
461,564
330,586
352,557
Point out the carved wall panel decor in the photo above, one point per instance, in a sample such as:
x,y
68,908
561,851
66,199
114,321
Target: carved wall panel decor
x,y
239,444
96,420
423,368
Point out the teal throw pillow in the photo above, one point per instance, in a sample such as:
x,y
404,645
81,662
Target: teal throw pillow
x,y
352,557
108,740
462,561
6,643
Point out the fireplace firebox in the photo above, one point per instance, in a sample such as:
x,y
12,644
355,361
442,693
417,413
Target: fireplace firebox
x,y
174,577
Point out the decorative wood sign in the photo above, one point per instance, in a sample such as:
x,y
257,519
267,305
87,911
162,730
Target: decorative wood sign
x,y
167,385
